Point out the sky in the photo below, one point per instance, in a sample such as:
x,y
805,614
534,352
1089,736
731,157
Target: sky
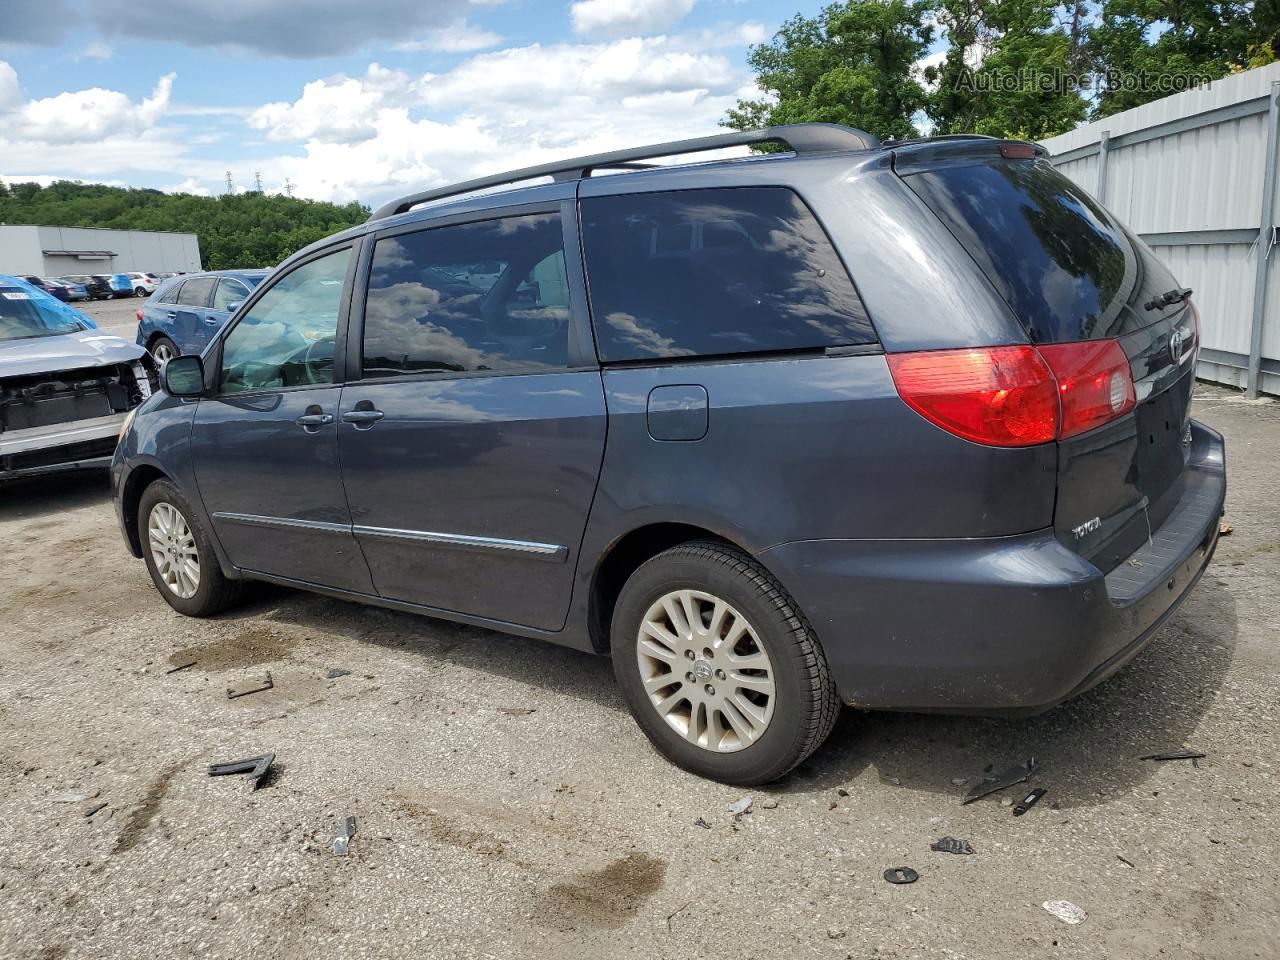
x,y
358,100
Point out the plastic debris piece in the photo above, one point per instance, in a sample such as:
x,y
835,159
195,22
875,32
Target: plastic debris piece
x,y
1006,802
1174,755
92,807
343,839
516,711
250,686
1065,910
181,666
740,806
337,672
74,796
1224,529
1127,863
702,823
990,782
1029,801
255,767
770,804
901,875
952,845
842,792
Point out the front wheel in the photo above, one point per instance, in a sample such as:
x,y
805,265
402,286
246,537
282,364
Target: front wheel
x,y
719,667
139,291
179,555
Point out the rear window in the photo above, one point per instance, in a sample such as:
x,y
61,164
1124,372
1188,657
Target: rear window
x,y
1064,264
715,272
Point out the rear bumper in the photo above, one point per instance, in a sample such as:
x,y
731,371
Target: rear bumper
x,y
59,446
1005,625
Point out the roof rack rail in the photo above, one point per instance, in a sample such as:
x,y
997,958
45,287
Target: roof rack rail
x,y
801,137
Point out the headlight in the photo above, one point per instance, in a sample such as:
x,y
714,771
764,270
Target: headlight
x,y
124,427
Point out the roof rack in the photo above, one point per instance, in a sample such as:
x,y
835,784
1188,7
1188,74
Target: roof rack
x,y
803,138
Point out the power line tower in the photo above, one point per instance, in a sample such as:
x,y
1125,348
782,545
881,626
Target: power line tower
x,y
257,181
231,187
288,187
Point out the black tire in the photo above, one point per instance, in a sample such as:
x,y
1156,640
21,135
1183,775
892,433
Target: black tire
x,y
139,291
215,592
166,343
806,705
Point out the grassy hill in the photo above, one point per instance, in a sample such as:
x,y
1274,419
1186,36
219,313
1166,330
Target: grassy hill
x,y
242,230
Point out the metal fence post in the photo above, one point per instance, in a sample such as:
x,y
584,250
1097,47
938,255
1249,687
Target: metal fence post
x,y
1266,236
1104,150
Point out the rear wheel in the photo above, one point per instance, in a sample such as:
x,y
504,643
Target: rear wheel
x,y
719,667
179,555
139,291
163,350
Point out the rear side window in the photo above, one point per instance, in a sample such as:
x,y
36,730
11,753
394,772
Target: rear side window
x,y
169,295
229,292
1064,264
195,293
475,296
714,272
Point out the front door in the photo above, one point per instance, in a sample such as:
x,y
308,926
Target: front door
x,y
472,444
265,445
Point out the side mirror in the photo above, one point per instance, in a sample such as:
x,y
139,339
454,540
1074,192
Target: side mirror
x,y
183,377
234,305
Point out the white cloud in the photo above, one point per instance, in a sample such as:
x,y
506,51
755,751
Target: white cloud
x,y
88,115
96,50
388,131
456,37
10,93
620,17
189,185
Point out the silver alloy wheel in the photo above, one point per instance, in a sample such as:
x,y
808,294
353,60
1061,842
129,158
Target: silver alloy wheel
x,y
173,548
162,353
705,671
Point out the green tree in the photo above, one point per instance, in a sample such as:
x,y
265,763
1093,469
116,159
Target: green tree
x,y
851,64
1143,50
1023,85
248,230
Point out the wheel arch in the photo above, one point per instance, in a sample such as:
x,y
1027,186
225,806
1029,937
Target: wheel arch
x,y
139,478
624,557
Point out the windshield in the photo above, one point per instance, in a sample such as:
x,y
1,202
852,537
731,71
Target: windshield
x,y
23,316
1061,261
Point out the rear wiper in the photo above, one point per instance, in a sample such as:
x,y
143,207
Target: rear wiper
x,y
1176,295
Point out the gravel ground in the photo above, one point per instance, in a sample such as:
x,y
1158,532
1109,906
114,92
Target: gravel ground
x,y
114,316
508,807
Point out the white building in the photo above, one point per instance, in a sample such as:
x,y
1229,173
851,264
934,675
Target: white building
x,y
1194,175
59,251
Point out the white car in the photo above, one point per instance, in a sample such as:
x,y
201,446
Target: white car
x,y
144,284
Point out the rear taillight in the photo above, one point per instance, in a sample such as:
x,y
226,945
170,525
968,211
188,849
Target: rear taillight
x,y
999,396
1094,383
1017,396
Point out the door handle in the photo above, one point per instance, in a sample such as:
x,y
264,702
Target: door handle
x,y
171,315
363,418
212,321
314,420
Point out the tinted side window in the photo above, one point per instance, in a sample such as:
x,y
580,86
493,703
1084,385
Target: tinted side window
x,y
287,337
195,293
708,272
229,291
170,295
476,296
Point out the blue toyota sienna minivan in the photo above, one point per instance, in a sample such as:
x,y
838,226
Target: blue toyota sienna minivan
x,y
902,426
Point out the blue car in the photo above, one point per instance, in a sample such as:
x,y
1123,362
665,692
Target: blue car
x,y
186,311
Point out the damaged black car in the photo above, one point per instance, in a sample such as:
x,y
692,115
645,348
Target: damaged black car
x,y
66,388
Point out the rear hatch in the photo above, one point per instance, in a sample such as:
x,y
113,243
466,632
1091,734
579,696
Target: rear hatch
x,y
1071,272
